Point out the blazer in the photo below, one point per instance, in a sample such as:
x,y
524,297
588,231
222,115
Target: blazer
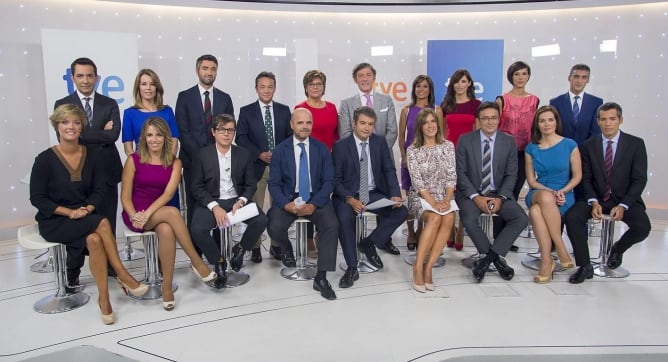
x,y
469,164
251,131
386,117
629,170
189,114
283,173
347,168
205,184
586,125
99,140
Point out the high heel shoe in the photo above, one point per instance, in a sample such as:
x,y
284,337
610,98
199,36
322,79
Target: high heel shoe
x,y
567,265
429,286
107,319
169,306
545,279
419,288
135,292
459,247
450,244
211,277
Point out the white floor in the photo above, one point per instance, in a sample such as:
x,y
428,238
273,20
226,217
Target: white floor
x,y
379,319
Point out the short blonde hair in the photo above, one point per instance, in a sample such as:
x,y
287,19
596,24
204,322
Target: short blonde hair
x,y
65,110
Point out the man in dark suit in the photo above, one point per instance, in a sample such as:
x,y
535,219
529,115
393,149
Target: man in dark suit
x,y
195,109
485,185
262,125
577,109
301,179
363,147
222,182
104,127
614,175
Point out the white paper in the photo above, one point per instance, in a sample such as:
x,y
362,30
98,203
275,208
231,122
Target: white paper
x,y
380,203
425,206
242,214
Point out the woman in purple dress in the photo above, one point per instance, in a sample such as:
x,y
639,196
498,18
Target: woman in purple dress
x,y
422,96
150,177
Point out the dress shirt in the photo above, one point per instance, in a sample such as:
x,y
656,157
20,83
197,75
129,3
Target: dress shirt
x,y
263,109
226,188
298,153
572,97
201,95
483,137
83,100
363,98
615,142
372,181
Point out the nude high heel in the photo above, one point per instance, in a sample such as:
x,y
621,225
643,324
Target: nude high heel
x,y
107,319
135,292
545,279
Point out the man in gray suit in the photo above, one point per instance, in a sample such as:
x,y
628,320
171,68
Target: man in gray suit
x,y
486,174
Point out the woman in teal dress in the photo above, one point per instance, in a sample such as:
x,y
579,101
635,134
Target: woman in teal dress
x,y
553,169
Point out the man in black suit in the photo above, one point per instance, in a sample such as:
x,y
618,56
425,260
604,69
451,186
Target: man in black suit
x,y
104,127
475,195
262,125
614,175
222,182
195,109
364,148
301,180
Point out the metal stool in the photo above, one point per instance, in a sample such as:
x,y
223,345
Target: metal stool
x,y
62,301
183,202
234,279
607,235
304,270
153,278
487,224
363,265
43,266
128,253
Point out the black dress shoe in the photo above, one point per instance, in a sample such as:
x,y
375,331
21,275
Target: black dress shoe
x,y
349,277
325,289
276,252
514,248
289,261
504,270
237,259
583,272
369,250
479,269
256,255
390,248
220,268
615,259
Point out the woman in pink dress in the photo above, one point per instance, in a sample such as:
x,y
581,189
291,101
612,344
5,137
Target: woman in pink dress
x,y
325,115
459,107
150,177
422,96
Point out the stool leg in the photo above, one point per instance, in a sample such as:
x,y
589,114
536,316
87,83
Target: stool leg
x,y
234,279
45,266
303,270
62,301
607,237
128,253
363,266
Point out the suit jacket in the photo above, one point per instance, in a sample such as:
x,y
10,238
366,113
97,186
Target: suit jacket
x,y
99,140
629,170
586,125
386,117
251,131
283,173
190,119
347,168
469,164
205,184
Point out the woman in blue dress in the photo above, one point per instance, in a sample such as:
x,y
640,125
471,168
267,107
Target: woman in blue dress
x,y
553,169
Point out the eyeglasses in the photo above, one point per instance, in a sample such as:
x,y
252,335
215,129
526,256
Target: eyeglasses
x,y
225,130
488,119
315,85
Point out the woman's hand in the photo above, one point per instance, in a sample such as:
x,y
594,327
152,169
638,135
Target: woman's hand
x,y
79,213
560,196
443,206
139,219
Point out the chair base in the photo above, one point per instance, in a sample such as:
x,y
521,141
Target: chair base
x,y
58,304
363,267
532,263
410,260
602,270
468,262
235,279
44,266
154,291
307,273
129,253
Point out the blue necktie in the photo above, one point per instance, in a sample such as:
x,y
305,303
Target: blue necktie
x,y
576,108
304,183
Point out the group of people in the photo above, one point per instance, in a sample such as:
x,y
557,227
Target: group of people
x,y
328,165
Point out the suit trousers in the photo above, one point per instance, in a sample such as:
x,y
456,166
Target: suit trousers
x,y
514,217
258,198
576,220
387,221
203,222
324,219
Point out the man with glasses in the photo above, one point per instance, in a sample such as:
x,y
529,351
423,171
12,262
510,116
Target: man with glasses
x,y
486,174
222,182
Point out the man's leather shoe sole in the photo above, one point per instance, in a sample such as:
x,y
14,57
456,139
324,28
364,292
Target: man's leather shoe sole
x,y
583,272
324,288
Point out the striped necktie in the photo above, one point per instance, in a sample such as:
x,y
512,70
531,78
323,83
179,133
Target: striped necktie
x,y
486,185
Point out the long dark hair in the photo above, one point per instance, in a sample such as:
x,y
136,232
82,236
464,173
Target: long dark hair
x,y
535,131
431,100
449,103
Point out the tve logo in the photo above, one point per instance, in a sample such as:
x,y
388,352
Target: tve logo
x,y
396,90
111,85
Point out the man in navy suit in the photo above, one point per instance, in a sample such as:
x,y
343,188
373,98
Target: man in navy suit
x,y
577,103
104,127
193,122
222,182
618,193
350,198
301,179
262,125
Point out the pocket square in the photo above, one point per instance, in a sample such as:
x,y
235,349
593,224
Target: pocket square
x,y
384,109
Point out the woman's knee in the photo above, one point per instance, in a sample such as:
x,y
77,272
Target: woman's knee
x,y
544,197
94,243
104,225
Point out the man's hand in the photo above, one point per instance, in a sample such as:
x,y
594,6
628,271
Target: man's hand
x,y
306,210
617,213
398,202
265,157
356,204
596,210
220,215
481,202
109,125
291,208
494,205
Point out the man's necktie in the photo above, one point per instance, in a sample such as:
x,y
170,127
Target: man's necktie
x,y
576,108
88,110
364,175
486,185
608,170
304,189
208,117
369,103
269,128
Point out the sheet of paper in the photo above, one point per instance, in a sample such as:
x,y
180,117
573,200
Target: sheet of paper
x,y
243,214
380,203
425,206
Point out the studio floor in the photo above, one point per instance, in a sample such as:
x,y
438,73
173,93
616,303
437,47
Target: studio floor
x,y
379,319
